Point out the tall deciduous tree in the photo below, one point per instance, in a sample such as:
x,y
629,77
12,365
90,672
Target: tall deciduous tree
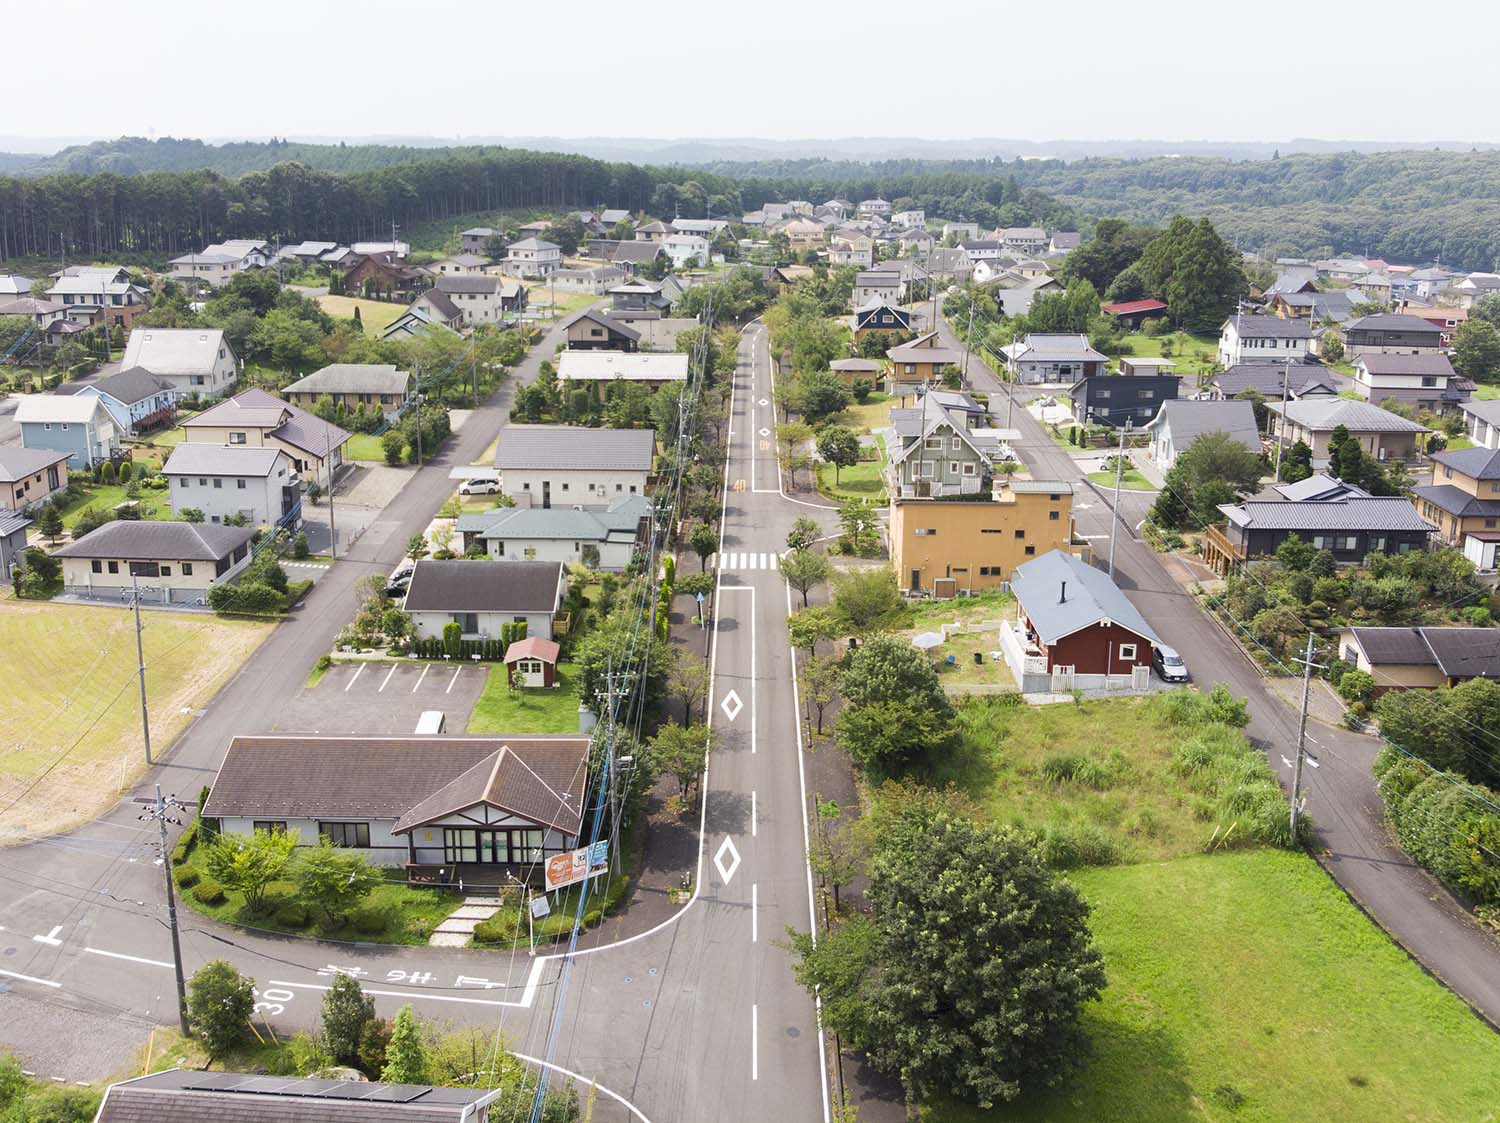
x,y
804,570
991,1009
867,600
249,863
839,446
704,540
1476,349
333,880
220,1001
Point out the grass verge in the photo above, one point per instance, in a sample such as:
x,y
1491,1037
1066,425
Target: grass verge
x,y
366,447
1130,479
1246,987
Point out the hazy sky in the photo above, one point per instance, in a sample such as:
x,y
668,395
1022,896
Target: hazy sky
x,y
1034,70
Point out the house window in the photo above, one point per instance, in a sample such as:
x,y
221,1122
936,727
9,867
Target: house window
x,y
933,444
236,438
274,826
97,566
218,483
925,532
1127,651
1021,532
114,566
970,468
240,484
956,444
346,834
166,571
187,569
145,569
1030,550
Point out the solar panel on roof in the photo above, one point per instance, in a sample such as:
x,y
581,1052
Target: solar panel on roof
x,y
216,1082
393,1093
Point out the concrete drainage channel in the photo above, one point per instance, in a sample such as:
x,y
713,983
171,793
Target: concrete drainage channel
x,y
456,930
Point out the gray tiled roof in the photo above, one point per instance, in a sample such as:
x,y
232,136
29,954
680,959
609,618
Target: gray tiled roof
x,y
173,350
131,385
471,585
606,322
1456,652
1352,513
1270,327
144,540
466,283
1431,363
17,463
1393,321
256,409
1316,486
1271,378
1324,413
192,458
1457,501
1089,597
354,378
1478,463
368,777
573,447
1189,419
191,1096
621,521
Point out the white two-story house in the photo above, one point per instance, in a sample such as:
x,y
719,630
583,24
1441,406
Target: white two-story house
x,y
1264,339
196,361
568,466
533,257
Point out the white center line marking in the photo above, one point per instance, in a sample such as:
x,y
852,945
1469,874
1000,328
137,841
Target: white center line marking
x,y
50,937
754,1042
755,912
127,958
357,672
409,995
387,678
420,677
752,812
31,979
451,681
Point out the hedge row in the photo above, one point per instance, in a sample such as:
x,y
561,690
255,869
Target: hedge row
x,y
1445,823
491,650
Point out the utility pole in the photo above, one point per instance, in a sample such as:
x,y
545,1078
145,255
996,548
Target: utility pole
x,y
333,534
417,401
968,336
1307,670
140,660
1114,514
1286,382
161,810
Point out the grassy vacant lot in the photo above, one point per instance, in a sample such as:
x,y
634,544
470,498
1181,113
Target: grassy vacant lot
x,y
865,480
984,610
1131,480
73,701
376,315
871,417
1246,987
540,298
1142,811
501,710
1193,354
155,503
365,446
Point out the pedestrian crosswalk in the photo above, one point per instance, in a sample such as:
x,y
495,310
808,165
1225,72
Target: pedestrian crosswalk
x,y
735,559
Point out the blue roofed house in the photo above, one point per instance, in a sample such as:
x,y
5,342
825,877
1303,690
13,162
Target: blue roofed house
x,y
137,400
80,426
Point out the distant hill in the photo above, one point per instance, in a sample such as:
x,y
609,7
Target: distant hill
x,y
13,162
139,156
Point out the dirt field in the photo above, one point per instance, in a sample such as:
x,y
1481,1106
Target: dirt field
x,y
70,720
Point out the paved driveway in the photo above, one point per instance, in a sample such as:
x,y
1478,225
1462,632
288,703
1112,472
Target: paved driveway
x,y
384,698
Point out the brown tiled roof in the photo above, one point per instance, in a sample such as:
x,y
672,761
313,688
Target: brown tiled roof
x,y
544,788
315,777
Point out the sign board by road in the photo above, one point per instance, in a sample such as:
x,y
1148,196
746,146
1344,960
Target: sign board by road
x,y
540,906
576,865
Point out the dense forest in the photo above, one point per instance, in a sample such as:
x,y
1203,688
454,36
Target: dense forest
x,y
161,214
135,155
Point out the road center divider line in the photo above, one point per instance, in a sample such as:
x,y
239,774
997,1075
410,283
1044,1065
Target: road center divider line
x,y
128,958
31,979
408,994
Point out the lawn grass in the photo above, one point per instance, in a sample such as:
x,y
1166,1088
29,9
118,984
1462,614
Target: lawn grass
x,y
865,480
566,302
1456,444
154,503
366,447
1193,354
73,701
872,416
411,913
376,315
1251,975
501,710
984,610
1145,813
1131,480
1487,391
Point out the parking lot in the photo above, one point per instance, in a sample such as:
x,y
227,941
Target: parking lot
x,y
385,698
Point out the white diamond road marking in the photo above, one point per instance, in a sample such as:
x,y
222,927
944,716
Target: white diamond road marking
x,y
764,432
763,402
731,705
727,866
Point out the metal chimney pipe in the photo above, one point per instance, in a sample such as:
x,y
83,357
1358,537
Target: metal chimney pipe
x,y
1062,596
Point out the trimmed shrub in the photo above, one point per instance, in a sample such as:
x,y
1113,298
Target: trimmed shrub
x,y
186,877
370,920
208,892
185,843
291,914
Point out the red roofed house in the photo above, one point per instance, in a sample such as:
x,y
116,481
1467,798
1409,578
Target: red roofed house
x,y
1134,312
535,658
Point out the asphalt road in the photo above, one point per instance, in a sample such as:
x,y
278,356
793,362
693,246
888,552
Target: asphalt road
x,y
1352,841
697,1019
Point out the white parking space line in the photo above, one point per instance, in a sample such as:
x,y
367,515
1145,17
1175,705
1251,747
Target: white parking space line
x,y
353,679
457,671
426,667
127,958
387,678
31,979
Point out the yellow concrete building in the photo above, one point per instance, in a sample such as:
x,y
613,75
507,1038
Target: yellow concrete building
x,y
972,545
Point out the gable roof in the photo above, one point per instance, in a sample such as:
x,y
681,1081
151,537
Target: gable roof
x,y
134,384
505,780
192,459
1256,326
1062,594
174,350
281,777
17,463
484,585
1271,378
923,349
1323,413
147,540
572,447
533,243
66,408
1456,652
606,322
1431,363
1051,346
1316,486
637,366
257,409
1129,307
1477,463
1393,321
354,378
635,252
621,522
533,647
440,302
1349,512
466,283
1188,419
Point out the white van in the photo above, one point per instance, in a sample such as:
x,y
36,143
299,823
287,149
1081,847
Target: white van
x,y
431,722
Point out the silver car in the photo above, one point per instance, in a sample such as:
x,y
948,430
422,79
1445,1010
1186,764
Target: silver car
x,y
1169,664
